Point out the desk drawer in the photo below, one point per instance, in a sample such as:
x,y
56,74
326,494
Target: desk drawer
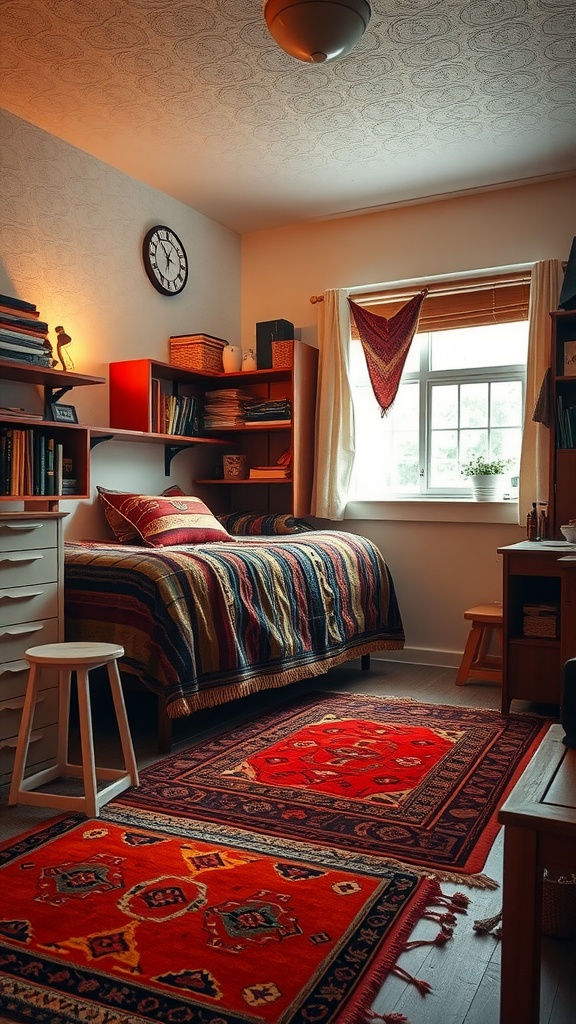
x,y
24,534
46,713
23,568
25,604
17,638
41,752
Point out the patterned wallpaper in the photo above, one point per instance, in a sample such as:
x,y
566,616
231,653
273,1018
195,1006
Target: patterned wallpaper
x,y
197,100
71,231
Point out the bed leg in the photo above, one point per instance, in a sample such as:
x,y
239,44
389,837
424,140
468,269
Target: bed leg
x,y
365,662
164,729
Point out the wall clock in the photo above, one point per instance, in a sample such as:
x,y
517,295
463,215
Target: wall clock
x,y
165,260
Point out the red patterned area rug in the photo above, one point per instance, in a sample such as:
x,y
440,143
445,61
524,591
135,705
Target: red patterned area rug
x,y
415,783
110,923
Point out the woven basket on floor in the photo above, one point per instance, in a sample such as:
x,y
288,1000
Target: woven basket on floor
x,y
559,906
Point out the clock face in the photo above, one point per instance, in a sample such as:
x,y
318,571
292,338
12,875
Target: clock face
x,y
165,260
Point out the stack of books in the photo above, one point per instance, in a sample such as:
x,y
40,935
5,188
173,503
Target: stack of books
x,y
23,336
282,469
269,473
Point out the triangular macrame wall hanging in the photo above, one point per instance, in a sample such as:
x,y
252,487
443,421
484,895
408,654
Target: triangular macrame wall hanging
x,y
386,342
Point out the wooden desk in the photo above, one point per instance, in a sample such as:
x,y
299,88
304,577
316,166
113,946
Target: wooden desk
x,y
539,819
536,572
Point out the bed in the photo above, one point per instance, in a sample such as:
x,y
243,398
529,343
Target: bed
x,y
203,624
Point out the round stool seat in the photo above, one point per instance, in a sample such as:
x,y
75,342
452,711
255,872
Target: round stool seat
x,y
81,653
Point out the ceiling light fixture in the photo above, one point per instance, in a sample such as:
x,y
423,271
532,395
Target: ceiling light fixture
x,y
317,30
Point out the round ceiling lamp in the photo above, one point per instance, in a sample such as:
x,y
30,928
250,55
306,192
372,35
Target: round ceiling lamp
x,y
317,30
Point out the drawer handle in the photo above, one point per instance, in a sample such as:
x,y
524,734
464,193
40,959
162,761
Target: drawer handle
x,y
35,736
14,666
20,527
17,595
20,629
25,556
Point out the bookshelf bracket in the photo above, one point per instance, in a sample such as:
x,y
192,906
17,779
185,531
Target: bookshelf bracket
x,y
55,394
170,450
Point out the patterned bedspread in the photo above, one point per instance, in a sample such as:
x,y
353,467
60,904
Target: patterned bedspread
x,y
201,625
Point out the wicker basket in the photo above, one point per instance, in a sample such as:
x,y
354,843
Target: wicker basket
x,y
282,354
197,352
559,906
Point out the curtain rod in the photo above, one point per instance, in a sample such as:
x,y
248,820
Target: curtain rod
x,y
441,285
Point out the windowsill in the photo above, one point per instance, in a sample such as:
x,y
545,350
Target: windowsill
x,y
436,510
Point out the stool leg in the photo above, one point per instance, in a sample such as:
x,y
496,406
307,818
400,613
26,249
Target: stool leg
x,y
472,644
122,720
24,731
87,743
63,718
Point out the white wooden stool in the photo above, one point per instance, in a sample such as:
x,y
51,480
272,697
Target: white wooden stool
x,y
80,658
477,662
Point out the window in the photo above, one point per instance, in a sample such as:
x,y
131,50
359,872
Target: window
x,y
461,394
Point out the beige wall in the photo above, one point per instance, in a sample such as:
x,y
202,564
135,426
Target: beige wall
x,y
439,568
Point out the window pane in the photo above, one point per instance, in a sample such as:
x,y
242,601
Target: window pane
x,y
469,347
506,403
387,447
474,405
444,470
444,406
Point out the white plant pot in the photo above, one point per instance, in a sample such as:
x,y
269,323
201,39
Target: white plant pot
x,y
488,486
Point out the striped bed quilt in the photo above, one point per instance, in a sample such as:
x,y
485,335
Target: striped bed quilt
x,y
204,624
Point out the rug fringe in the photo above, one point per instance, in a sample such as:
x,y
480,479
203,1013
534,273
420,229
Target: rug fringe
x,y
433,896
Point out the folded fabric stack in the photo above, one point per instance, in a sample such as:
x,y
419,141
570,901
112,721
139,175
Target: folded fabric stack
x,y
23,336
262,411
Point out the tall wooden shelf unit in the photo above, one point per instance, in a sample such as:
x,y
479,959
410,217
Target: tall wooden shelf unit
x,y
562,487
134,382
541,573
32,572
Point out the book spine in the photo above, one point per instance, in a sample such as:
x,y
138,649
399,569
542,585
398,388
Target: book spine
x,y
17,323
50,445
12,303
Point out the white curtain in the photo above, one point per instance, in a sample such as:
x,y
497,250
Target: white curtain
x,y
545,284
334,456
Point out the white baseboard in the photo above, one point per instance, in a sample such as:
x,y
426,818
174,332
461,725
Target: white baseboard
x,y
421,656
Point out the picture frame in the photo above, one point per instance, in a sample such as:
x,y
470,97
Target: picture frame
x,y
62,413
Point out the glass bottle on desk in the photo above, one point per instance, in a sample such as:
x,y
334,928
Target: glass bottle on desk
x,y
532,523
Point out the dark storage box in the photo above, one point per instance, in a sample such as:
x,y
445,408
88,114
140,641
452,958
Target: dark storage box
x,y
267,332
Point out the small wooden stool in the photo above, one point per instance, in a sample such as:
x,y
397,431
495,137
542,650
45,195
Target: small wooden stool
x,y
476,662
80,658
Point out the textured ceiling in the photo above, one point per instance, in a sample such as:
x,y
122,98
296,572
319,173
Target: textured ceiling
x,y
197,100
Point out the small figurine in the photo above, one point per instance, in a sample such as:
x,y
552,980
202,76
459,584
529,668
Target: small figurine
x,y
65,358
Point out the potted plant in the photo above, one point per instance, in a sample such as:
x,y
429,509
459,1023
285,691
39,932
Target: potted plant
x,y
486,476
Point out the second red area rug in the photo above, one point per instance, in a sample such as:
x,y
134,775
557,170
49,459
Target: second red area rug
x,y
420,784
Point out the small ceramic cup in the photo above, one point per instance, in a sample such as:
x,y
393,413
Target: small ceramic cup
x,y
231,358
235,467
249,359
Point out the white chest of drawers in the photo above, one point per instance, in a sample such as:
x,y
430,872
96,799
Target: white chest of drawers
x,y
31,613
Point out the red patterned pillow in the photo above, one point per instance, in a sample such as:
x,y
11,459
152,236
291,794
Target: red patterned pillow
x,y
121,528
160,521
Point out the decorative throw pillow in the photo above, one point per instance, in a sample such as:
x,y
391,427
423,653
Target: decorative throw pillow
x,y
242,524
160,521
121,528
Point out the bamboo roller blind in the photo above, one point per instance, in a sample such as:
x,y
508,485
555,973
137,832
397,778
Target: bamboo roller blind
x,y
471,302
